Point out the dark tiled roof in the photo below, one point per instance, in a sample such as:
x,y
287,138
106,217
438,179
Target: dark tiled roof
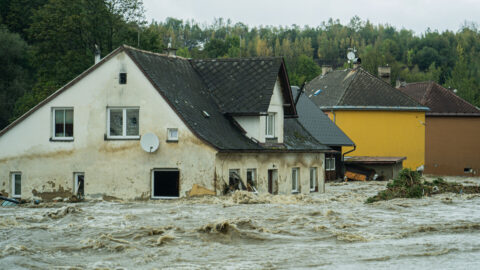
x,y
242,85
318,124
357,89
296,137
183,88
440,100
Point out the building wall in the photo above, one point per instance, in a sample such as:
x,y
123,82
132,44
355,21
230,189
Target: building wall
x,y
283,162
385,133
118,168
255,125
452,144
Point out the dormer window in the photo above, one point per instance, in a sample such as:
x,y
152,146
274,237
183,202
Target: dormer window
x,y
122,79
270,126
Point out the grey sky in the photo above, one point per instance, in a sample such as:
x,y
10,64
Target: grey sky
x,y
416,15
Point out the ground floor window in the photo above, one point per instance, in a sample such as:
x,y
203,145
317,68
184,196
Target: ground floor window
x,y
313,179
79,184
16,185
330,163
252,179
295,176
165,183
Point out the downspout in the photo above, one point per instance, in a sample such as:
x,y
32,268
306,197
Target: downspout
x,y
343,159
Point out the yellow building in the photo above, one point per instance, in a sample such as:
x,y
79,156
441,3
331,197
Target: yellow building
x,y
381,120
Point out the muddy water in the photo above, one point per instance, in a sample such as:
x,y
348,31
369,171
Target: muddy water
x,y
335,230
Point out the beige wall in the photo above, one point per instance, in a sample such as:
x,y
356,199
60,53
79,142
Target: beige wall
x,y
116,168
283,162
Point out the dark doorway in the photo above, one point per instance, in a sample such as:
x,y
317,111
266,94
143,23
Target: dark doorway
x,y
165,184
80,185
272,181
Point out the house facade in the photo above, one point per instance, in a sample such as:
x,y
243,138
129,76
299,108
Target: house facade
x,y
451,132
86,137
382,121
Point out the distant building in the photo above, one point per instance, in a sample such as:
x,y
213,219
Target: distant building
x,y
452,131
381,120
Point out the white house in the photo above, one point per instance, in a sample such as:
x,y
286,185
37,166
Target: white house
x,y
213,118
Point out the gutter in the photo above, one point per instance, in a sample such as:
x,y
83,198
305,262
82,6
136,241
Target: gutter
x,y
374,108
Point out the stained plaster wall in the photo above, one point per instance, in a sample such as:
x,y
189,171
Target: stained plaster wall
x,y
283,162
255,125
118,168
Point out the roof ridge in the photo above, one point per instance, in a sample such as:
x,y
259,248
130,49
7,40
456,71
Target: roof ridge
x,y
239,58
350,84
128,47
426,95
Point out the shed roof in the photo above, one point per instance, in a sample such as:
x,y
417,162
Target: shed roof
x,y
357,89
440,100
317,123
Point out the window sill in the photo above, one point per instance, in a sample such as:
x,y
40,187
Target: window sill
x,y
295,192
172,141
61,139
164,198
133,138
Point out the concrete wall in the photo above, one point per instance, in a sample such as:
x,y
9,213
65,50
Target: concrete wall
x,y
452,144
117,168
255,125
385,133
283,162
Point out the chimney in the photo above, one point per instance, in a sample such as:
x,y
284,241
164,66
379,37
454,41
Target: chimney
x,y
97,54
326,69
169,51
384,73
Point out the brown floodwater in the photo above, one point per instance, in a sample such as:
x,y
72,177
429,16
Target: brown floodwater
x,y
335,230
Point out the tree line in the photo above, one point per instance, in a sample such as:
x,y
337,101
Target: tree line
x,y
46,43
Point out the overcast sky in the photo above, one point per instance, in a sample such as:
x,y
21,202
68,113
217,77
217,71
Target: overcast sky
x,y
416,15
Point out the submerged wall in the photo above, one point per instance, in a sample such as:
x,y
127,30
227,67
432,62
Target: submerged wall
x,y
282,162
385,133
118,168
452,145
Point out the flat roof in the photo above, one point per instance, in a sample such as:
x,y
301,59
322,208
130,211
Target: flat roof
x,y
374,160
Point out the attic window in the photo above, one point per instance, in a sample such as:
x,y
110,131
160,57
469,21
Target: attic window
x,y
270,126
172,134
122,79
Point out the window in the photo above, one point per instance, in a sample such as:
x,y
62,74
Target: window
x,y
123,123
79,185
270,126
330,164
295,173
252,179
172,134
165,183
16,185
313,179
122,79
62,119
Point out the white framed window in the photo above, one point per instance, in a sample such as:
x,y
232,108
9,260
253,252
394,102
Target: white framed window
x,y
295,179
16,184
123,123
313,179
62,123
270,126
330,164
252,178
172,134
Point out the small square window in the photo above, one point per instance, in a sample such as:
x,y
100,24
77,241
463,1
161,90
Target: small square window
x,y
172,134
123,78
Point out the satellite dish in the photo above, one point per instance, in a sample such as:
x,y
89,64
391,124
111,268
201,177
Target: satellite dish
x,y
149,142
350,55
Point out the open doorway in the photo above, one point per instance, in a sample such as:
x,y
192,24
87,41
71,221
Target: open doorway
x,y
79,184
165,183
273,181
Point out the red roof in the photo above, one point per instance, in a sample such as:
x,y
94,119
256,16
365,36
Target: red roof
x,y
440,100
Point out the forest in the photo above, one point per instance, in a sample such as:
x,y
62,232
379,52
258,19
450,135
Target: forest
x,y
46,43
